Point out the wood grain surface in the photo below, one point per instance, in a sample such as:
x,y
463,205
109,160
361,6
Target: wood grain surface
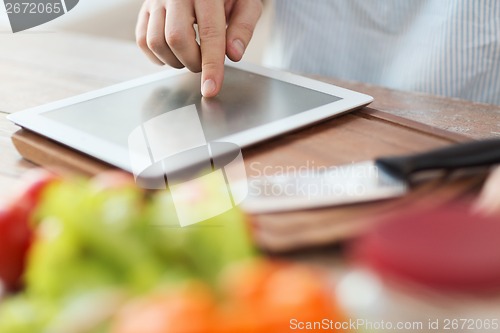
x,y
41,67
469,119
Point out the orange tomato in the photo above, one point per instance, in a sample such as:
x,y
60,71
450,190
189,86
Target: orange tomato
x,y
262,296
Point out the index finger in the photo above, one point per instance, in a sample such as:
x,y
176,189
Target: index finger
x,y
211,19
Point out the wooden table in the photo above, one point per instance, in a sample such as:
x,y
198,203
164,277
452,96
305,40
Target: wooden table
x,y
38,68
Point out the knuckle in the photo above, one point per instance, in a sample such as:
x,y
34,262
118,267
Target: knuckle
x,y
210,66
176,38
209,32
156,9
155,43
141,42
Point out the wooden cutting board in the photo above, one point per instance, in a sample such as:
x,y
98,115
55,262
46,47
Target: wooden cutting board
x,y
352,138
361,135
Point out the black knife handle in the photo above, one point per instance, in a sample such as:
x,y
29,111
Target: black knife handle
x,y
465,155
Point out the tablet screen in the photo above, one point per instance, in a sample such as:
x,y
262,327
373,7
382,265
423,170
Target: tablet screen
x,y
247,100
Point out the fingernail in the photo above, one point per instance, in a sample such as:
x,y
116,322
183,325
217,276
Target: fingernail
x,y
239,46
208,87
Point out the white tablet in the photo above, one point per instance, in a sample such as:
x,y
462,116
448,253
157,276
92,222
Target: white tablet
x,y
255,104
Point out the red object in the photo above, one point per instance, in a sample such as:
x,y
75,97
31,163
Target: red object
x,y
446,248
15,230
15,239
35,181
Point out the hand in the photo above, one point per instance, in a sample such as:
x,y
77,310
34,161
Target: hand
x,y
489,200
166,34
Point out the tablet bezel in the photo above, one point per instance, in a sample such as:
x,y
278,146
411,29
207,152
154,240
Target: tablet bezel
x,y
117,155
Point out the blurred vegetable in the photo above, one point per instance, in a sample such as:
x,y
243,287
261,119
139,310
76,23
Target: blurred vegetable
x,y
108,257
23,314
107,234
34,183
15,231
255,296
188,309
15,238
262,296
112,179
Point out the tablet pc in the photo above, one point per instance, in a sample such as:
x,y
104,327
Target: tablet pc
x,y
255,104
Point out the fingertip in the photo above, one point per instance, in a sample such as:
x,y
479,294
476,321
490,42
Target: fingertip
x,y
235,49
212,76
209,88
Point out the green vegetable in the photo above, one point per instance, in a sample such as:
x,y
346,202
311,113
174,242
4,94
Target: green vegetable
x,y
120,239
